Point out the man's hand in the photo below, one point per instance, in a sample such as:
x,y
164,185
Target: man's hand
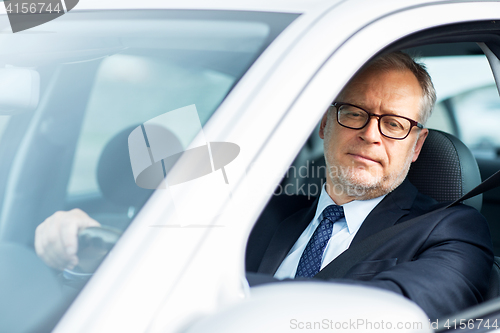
x,y
56,238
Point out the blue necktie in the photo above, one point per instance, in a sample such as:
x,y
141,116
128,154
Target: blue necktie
x,y
310,261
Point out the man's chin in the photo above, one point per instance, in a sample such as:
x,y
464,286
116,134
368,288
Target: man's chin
x,y
363,187
365,180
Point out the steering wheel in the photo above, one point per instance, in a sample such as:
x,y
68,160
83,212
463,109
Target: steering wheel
x,y
94,243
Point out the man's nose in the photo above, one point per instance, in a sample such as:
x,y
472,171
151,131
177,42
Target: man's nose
x,y
370,132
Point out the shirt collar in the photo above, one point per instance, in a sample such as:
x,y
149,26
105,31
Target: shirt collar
x,y
355,211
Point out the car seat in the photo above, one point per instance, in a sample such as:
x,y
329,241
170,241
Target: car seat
x,y
446,170
115,176
122,196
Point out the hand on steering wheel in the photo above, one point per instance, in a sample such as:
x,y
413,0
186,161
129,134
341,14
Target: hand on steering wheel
x,y
56,238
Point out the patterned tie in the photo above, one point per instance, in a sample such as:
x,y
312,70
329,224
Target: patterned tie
x,y
310,261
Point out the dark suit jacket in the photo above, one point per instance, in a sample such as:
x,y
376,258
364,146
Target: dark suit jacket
x,y
442,263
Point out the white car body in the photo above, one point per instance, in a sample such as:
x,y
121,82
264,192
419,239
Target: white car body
x,y
185,279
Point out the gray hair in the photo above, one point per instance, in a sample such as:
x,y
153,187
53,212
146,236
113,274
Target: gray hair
x,y
402,61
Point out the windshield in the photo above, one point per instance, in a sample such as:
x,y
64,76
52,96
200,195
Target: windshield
x,y
86,101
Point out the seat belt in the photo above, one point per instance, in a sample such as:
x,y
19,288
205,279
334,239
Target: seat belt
x,y
339,267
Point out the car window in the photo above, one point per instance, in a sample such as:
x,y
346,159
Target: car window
x,y
115,90
129,90
480,109
468,104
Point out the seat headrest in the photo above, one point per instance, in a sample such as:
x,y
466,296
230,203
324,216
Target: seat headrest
x,y
114,173
446,169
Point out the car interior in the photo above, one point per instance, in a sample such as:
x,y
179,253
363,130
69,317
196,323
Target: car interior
x,y
447,168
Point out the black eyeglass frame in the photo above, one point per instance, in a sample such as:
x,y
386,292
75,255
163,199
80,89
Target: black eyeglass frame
x,y
413,123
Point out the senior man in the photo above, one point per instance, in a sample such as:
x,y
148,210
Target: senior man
x,y
372,133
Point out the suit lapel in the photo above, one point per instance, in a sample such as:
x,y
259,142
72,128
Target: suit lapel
x,y
388,212
285,237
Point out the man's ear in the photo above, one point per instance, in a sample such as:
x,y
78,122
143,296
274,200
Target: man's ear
x,y
322,125
420,142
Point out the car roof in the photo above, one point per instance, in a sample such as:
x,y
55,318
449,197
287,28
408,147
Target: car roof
x,y
282,6
285,6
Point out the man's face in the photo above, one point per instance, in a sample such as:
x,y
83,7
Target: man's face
x,y
363,164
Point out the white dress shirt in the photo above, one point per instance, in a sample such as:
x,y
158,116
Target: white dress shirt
x,y
343,233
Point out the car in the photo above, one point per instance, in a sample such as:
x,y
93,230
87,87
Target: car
x,y
173,124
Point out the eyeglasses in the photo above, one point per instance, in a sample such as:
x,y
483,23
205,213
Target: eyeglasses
x,y
390,126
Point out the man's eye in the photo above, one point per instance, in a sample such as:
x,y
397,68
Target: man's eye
x,y
393,124
353,114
